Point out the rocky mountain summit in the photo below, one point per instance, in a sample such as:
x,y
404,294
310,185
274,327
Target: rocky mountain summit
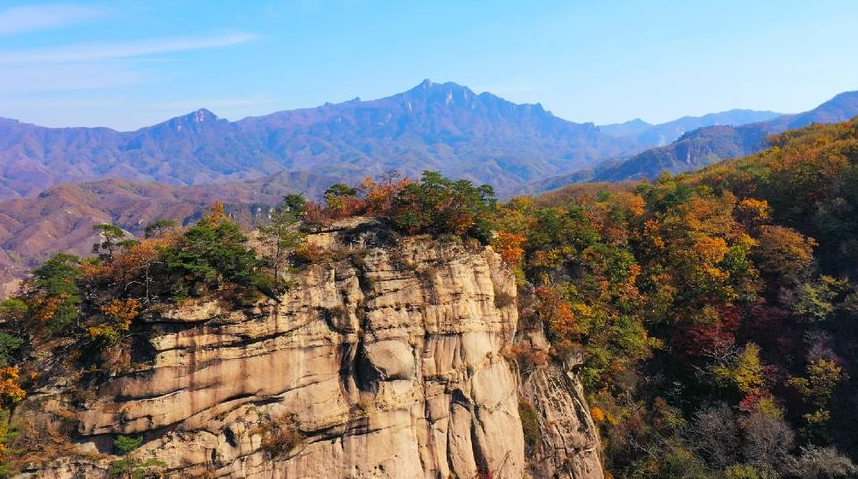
x,y
387,359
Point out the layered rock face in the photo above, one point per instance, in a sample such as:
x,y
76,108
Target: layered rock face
x,y
384,361
568,442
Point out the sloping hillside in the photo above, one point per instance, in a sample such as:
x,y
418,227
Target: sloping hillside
x,y
699,148
62,217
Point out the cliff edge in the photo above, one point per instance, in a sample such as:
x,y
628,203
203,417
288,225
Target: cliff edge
x,y
385,359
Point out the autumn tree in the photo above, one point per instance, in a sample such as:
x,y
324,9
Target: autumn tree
x,y
784,253
159,228
816,388
52,293
343,201
281,234
213,252
112,239
438,205
380,195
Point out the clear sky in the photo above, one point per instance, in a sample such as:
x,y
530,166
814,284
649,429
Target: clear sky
x,y
129,63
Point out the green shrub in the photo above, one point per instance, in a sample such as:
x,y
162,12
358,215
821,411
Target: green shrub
x,y
128,467
438,205
9,345
529,426
55,286
212,252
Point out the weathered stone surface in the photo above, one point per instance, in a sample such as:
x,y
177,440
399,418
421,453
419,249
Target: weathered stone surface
x,y
385,364
384,361
569,443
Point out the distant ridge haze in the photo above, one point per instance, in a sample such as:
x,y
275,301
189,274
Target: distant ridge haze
x,y
664,133
445,127
433,126
703,146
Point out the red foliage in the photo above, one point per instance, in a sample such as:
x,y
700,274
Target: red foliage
x,y
712,339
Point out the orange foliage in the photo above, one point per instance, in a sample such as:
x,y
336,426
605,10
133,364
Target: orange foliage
x,y
711,250
651,231
314,213
380,196
753,212
45,307
784,251
309,252
217,213
124,311
528,356
632,202
509,245
598,414
560,316
346,207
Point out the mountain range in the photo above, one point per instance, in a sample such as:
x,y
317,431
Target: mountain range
x,y
701,147
433,126
664,133
444,127
56,183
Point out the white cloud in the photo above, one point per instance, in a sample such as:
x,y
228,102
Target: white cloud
x,y
17,20
83,52
71,76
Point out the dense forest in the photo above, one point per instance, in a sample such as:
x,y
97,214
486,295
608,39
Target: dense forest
x,y
712,316
716,311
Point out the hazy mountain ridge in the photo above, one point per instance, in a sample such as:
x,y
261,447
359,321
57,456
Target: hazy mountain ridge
x,y
668,132
445,127
704,146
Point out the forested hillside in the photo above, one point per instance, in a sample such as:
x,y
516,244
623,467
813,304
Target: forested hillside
x,y
61,218
717,312
712,317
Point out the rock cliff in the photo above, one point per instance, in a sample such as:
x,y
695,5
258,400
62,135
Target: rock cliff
x,y
384,360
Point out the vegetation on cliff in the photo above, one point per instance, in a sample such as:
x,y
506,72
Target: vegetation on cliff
x,y
714,313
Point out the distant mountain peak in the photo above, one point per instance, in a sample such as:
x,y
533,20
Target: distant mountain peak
x,y
196,120
847,98
636,122
203,115
429,86
846,94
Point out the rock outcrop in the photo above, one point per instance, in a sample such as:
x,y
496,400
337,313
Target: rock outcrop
x,y
382,361
568,443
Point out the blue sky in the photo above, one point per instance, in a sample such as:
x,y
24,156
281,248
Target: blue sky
x,y
127,63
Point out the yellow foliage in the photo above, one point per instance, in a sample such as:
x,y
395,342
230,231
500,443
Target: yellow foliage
x,y
711,250
747,371
123,312
10,388
217,213
753,211
769,406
